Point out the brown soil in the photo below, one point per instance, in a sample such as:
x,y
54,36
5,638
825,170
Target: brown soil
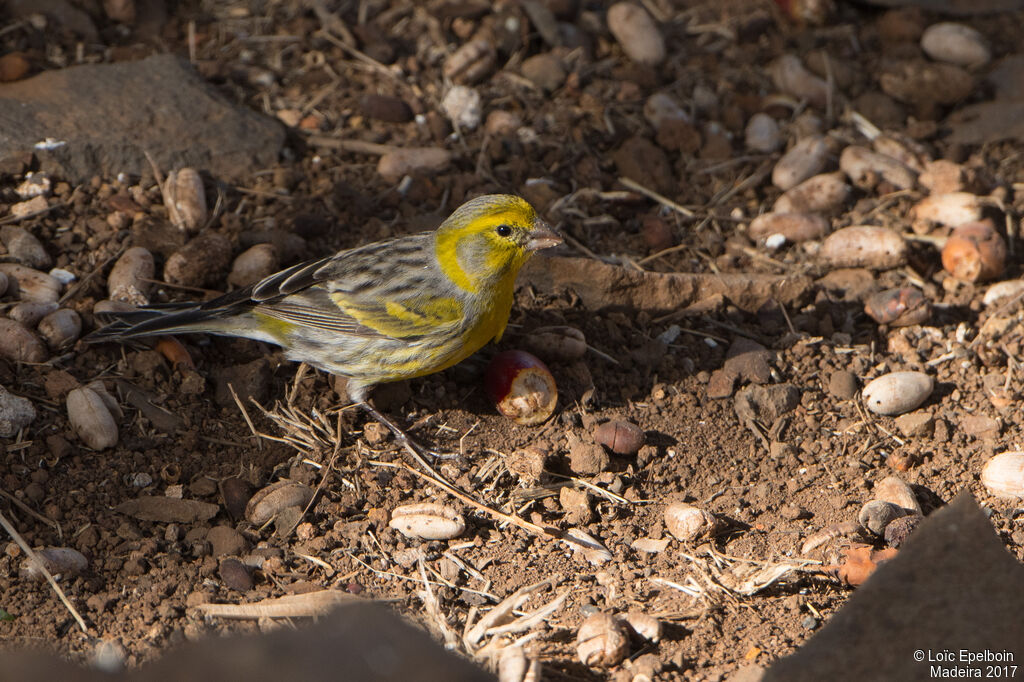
x,y
811,469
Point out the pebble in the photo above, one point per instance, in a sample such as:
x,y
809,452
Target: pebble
x,y
955,43
661,109
803,160
926,83
254,264
30,207
463,106
877,514
895,490
91,419
27,284
235,575
387,108
586,459
19,344
898,530
501,123
15,413
130,278
864,246
762,134
226,541
1002,292
1003,475
395,165
791,77
794,227
546,71
602,641
59,561
637,33
843,384
13,66
276,497
200,262
236,493
914,424
23,247
688,523
61,328
897,392
901,307
824,193
29,313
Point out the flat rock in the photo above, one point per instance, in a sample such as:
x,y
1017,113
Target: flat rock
x,y
107,114
907,606
610,287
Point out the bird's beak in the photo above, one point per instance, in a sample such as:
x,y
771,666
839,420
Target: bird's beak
x,y
542,237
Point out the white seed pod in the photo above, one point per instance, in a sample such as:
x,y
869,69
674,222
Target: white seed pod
x,y
803,160
762,134
1003,475
875,515
19,344
254,264
29,313
23,247
271,500
661,108
463,106
471,62
864,246
955,43
515,666
602,641
1001,292
645,626
91,419
185,199
27,284
824,193
795,227
59,561
61,328
950,209
130,278
637,33
792,77
895,490
866,168
427,521
688,523
394,165
897,392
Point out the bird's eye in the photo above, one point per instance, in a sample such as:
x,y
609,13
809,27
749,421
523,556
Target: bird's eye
x,y
504,230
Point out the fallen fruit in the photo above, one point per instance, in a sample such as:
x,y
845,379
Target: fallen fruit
x,y
521,386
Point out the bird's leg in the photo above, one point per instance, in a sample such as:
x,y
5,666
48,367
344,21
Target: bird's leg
x,y
402,437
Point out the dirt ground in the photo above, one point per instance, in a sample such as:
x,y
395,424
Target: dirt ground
x,y
772,482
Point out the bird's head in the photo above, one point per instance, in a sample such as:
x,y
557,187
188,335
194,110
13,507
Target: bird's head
x,y
488,239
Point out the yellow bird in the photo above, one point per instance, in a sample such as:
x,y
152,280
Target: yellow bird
x,y
392,310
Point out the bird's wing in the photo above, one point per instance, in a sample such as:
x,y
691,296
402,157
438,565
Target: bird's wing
x,y
387,289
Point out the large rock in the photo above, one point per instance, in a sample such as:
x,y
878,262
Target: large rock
x,y
108,114
953,587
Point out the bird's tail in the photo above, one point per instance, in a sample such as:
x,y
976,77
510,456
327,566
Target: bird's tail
x,y
172,318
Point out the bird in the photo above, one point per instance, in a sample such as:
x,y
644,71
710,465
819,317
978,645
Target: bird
x,y
395,309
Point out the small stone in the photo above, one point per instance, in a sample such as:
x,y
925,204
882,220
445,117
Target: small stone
x,y
463,106
637,33
201,262
843,384
13,66
586,459
915,424
980,426
385,108
225,541
236,493
546,71
897,531
15,413
235,575
877,514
